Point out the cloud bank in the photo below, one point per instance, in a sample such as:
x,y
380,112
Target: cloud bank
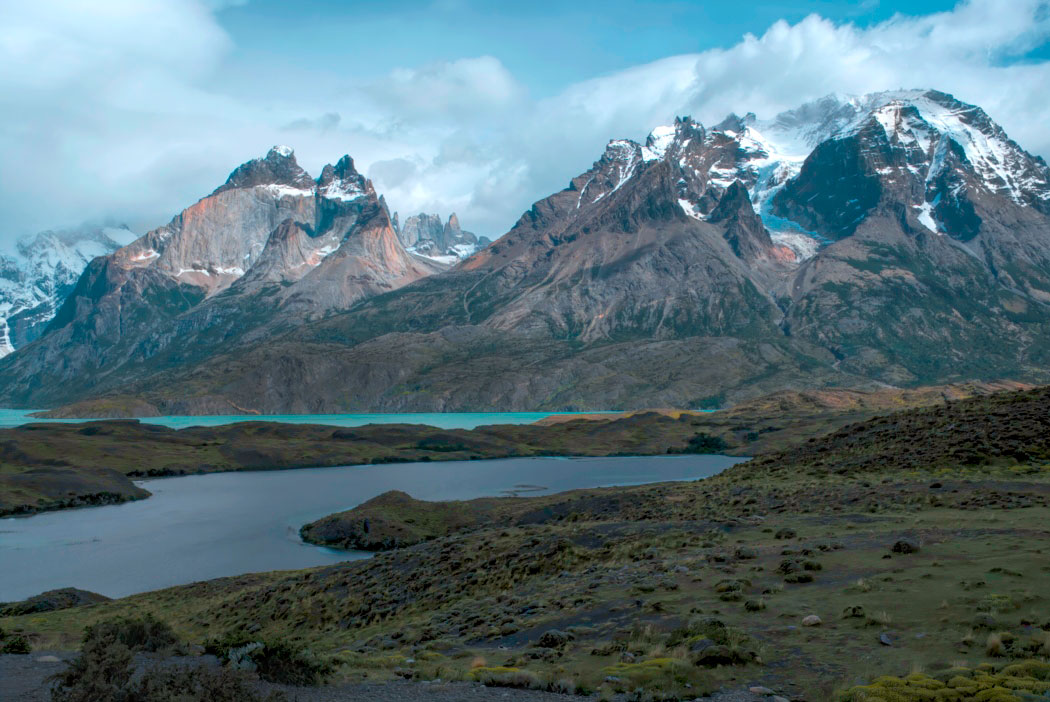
x,y
121,109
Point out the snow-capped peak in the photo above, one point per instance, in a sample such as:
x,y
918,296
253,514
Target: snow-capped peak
x,y
36,280
623,156
660,139
342,181
1002,165
766,154
277,168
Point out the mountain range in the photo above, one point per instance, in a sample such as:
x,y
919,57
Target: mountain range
x,y
898,238
40,274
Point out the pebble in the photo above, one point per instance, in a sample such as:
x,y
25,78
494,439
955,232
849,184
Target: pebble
x,y
812,620
905,545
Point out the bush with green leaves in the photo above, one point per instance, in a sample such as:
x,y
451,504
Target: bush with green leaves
x,y
278,661
137,634
14,644
702,443
105,670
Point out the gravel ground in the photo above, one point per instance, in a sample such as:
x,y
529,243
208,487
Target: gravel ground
x,y
24,679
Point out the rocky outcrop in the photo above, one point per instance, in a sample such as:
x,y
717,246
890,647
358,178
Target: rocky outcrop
x,y
392,520
426,236
52,600
744,229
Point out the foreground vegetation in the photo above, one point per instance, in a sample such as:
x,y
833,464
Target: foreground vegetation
x,y
899,558
56,466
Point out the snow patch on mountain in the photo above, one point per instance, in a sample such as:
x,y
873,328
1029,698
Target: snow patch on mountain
x,y
925,217
660,139
288,190
345,190
624,154
691,210
1003,166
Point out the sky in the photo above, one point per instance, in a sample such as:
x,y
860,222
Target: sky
x,y
130,110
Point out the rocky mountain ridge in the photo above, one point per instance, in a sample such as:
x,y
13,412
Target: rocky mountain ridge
x,y
425,235
268,250
896,238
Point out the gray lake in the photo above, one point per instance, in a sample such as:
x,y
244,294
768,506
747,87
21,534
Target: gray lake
x,y
208,526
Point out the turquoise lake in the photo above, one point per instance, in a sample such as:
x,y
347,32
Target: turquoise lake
x,y
445,420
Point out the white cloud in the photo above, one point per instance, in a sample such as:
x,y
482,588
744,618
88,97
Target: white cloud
x,y
95,100
118,108
458,89
325,123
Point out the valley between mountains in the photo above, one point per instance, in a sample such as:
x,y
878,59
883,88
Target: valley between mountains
x,y
893,239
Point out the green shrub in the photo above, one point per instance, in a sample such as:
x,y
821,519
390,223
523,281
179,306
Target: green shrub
x,y
984,683
499,676
277,661
702,443
179,683
105,670
160,684
658,679
697,629
102,671
15,644
145,634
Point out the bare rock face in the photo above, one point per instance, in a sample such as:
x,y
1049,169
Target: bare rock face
x,y
421,227
270,248
745,233
215,241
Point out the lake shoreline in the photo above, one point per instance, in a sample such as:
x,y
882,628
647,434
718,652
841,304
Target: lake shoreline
x,y
225,524
38,473
11,418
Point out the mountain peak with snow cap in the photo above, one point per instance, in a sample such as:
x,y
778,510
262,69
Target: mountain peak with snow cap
x,y
277,168
662,140
342,181
925,128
